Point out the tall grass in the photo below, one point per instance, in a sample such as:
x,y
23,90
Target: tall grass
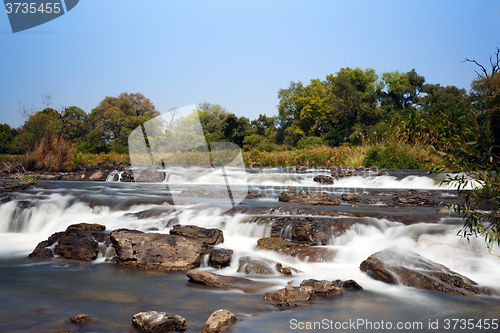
x,y
52,154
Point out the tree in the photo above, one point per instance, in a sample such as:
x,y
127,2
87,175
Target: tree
x,y
436,94
115,118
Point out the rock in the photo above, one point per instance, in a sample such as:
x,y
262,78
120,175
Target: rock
x,y
294,249
308,230
126,177
81,319
255,267
301,168
340,173
274,243
77,245
291,294
219,321
323,180
309,198
224,282
283,270
25,204
86,227
149,175
153,321
324,287
411,199
348,284
220,258
285,304
42,251
210,236
410,269
6,197
157,251
351,198
98,176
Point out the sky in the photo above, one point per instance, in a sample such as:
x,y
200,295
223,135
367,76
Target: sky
x,y
234,53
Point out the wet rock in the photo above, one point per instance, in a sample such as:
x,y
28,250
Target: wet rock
x,y
220,258
285,304
224,282
323,180
126,177
157,251
6,197
274,243
408,268
309,230
42,251
351,198
149,175
86,227
340,173
283,270
150,213
254,267
77,245
411,198
294,249
291,294
309,198
348,285
301,168
25,204
81,319
153,322
219,321
323,287
98,176
211,236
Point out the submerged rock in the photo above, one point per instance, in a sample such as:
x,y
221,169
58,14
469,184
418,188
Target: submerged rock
x,y
219,321
291,294
224,282
410,269
154,322
309,198
81,319
157,251
294,249
220,258
210,236
254,267
323,287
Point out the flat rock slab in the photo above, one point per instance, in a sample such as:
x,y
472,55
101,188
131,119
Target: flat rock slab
x,y
157,251
408,268
225,282
291,294
309,198
322,287
211,236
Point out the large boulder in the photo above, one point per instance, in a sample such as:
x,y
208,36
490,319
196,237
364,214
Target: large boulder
x,y
78,242
323,180
408,268
291,294
157,251
224,282
323,287
210,236
309,230
309,198
219,321
155,322
220,258
294,249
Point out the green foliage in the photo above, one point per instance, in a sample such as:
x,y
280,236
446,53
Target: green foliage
x,y
252,141
311,141
336,137
392,155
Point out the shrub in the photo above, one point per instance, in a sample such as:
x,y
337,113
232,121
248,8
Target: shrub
x,y
393,155
336,137
311,141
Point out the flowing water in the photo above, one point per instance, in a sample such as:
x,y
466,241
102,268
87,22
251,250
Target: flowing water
x,y
40,296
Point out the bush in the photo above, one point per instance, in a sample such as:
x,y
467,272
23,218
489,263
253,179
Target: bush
x,y
335,138
311,141
252,141
393,155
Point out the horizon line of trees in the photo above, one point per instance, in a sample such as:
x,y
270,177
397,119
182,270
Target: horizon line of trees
x,y
347,107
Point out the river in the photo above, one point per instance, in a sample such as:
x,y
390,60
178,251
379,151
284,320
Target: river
x,y
40,296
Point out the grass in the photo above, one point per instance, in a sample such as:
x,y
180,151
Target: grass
x,y
391,154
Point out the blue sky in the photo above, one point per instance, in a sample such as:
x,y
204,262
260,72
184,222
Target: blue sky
x,y
234,53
